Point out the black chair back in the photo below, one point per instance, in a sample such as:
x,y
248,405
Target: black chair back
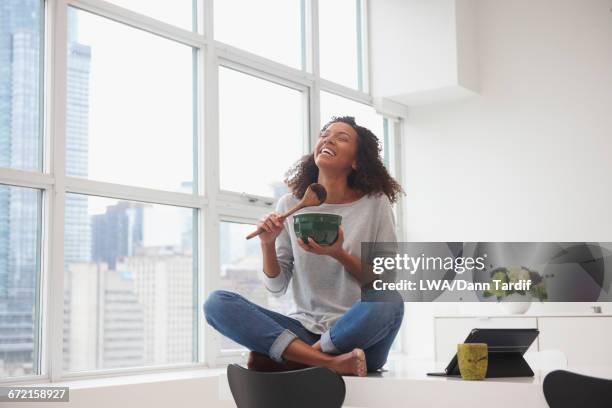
x,y
564,389
307,388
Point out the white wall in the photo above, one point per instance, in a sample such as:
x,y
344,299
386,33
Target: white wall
x,y
530,159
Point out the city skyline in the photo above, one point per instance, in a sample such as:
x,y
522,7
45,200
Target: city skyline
x,y
20,208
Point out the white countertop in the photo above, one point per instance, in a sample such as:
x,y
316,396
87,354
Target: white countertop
x,y
405,384
490,315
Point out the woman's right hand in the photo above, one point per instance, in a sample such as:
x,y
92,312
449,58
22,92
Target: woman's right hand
x,y
272,226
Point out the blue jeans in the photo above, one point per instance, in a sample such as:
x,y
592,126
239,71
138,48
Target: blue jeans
x,y
371,326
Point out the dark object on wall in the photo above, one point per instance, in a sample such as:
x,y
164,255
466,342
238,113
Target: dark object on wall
x,y
310,387
564,389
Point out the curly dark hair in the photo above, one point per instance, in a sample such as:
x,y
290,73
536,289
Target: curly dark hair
x,y
371,176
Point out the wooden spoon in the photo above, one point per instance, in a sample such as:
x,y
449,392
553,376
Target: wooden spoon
x,y
315,195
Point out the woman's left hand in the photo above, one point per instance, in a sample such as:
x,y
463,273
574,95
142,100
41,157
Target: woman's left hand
x,y
332,250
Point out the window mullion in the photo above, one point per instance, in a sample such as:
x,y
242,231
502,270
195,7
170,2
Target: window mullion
x,y
242,61
314,100
346,92
314,92
132,193
140,21
22,178
210,176
203,218
56,89
398,156
364,46
313,36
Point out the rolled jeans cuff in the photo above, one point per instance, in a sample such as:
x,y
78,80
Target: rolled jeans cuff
x,y
327,346
280,344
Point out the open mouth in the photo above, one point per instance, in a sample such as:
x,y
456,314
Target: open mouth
x,y
326,151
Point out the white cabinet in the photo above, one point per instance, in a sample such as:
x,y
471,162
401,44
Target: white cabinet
x,y
584,339
423,51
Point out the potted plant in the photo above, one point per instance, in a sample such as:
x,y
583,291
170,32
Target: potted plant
x,y
514,287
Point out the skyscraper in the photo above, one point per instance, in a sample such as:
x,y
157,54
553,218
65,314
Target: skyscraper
x,y
20,59
21,34
77,238
103,319
117,232
163,281
20,123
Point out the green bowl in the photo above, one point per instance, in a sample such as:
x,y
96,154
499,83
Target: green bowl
x,y
323,228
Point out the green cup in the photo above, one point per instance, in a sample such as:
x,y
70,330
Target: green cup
x,y
473,360
321,227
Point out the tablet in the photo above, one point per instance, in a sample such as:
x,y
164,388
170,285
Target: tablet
x,y
506,348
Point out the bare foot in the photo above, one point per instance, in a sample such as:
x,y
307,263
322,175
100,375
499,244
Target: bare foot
x,y
261,362
351,363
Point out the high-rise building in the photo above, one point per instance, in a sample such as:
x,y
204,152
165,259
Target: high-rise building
x,y
21,36
103,319
20,135
20,118
124,304
118,232
164,286
77,239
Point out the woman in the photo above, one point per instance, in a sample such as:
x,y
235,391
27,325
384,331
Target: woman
x,y
331,325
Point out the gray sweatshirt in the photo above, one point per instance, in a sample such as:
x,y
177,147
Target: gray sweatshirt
x,y
322,289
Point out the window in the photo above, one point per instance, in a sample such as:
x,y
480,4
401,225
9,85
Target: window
x,y
388,145
128,284
258,141
270,28
365,115
181,13
92,159
20,220
21,61
242,272
20,84
340,42
130,105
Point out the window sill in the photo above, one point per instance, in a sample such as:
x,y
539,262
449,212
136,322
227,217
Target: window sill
x,y
133,379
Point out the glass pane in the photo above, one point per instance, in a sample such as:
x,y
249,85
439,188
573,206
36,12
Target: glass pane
x,y
20,226
129,284
20,84
241,272
178,12
388,145
261,133
270,28
365,115
339,36
130,106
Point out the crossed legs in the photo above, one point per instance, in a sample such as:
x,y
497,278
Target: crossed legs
x,y
357,343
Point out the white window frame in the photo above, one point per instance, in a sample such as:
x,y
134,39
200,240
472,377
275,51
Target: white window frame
x,y
213,204
220,356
